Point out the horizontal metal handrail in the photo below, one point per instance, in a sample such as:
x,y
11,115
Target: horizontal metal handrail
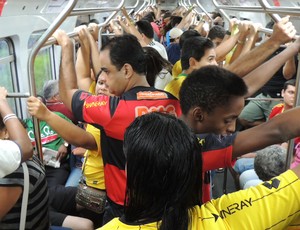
x,y
18,95
258,9
263,99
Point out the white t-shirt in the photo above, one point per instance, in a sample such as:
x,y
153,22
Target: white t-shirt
x,y
162,79
160,49
10,157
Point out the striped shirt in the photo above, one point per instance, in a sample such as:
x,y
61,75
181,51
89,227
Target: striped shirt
x,y
37,208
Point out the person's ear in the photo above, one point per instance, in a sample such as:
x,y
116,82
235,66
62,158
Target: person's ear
x,y
282,93
198,114
192,61
128,71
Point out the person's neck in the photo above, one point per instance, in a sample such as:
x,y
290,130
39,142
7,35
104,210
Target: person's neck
x,y
148,40
138,80
187,71
287,107
186,120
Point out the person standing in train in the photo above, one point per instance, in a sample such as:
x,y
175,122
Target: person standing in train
x,y
123,70
164,182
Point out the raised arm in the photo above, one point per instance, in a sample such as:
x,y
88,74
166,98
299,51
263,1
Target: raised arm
x,y
67,73
67,130
83,67
95,54
132,29
261,75
15,129
227,45
289,68
279,129
243,31
283,32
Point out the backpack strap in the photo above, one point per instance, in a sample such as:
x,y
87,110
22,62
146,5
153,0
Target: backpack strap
x,y
24,197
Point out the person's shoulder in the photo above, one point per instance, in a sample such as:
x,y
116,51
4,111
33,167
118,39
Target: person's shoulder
x,y
177,69
173,86
280,105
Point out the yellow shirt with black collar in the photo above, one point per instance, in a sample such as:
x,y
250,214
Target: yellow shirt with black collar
x,y
174,86
271,205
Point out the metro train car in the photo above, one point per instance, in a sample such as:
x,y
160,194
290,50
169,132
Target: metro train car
x,y
30,59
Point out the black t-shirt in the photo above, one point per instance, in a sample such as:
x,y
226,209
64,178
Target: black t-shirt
x,y
274,86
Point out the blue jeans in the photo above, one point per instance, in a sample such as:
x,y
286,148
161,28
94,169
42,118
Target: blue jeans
x,y
243,164
76,171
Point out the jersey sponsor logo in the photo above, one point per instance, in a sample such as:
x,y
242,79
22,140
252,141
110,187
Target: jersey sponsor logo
x,y
214,216
95,104
235,207
142,110
201,141
151,95
274,184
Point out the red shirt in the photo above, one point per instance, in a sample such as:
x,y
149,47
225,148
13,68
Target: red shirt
x,y
113,115
216,153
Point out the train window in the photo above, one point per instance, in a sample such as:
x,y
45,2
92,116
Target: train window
x,y
7,68
6,61
43,64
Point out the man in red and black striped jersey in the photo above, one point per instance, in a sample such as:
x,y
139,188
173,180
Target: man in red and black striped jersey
x,y
123,70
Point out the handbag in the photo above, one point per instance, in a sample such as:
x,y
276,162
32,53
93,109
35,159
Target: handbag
x,y
90,198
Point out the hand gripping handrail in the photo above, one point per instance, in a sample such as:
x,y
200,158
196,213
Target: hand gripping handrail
x,y
273,12
258,9
34,51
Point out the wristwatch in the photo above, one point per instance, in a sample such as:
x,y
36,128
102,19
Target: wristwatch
x,y
66,144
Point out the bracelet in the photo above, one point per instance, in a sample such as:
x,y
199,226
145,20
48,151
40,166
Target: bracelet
x,y
240,42
8,117
228,32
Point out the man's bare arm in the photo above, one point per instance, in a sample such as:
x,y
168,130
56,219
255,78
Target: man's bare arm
x,y
67,73
261,75
67,130
279,129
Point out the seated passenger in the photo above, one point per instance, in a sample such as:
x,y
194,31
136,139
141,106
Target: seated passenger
x,y
14,189
53,101
57,169
176,204
288,94
268,163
